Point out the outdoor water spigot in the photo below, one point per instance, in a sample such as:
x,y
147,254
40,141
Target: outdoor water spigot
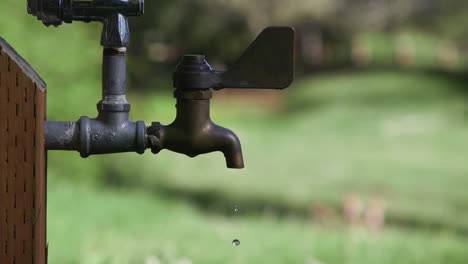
x,y
268,63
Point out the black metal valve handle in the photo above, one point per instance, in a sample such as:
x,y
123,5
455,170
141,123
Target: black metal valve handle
x,y
268,63
54,12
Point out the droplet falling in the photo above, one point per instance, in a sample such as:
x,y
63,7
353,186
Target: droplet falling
x,y
236,242
236,209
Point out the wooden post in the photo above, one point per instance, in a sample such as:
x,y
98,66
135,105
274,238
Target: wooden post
x,y
22,161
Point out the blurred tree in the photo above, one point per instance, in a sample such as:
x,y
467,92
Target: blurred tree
x,y
327,29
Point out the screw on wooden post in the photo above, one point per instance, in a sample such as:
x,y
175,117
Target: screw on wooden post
x,y
22,161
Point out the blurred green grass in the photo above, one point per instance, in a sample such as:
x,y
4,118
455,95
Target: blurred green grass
x,y
401,136
96,226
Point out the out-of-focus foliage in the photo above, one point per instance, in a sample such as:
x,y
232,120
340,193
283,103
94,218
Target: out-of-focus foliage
x,y
330,32
68,58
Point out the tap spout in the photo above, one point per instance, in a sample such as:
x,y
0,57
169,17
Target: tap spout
x,y
193,133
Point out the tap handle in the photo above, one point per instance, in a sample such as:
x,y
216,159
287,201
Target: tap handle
x,y
268,63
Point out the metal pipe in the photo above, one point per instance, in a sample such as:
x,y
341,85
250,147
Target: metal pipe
x,y
54,12
61,135
90,9
111,131
114,71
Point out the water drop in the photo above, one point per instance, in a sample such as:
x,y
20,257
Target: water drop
x,y
236,209
236,242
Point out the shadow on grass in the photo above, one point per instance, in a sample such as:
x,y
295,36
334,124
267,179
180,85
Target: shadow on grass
x,y
214,202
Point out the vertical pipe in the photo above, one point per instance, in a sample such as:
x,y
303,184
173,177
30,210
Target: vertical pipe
x,y
114,72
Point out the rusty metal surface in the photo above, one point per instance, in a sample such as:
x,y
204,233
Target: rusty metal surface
x,y
22,161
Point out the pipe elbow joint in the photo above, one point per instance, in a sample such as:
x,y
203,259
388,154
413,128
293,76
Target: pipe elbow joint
x,y
99,137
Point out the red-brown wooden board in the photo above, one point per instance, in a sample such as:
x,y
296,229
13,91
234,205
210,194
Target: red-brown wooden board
x,y
22,161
